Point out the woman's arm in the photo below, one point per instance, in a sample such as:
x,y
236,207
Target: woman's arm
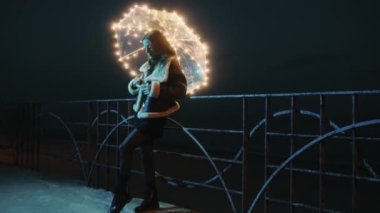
x,y
174,88
133,85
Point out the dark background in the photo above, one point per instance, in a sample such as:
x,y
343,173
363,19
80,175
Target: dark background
x,y
62,50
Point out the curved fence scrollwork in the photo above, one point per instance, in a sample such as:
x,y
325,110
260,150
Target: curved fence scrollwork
x,y
305,148
73,140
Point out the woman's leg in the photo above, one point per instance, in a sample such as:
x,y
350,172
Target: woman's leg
x,y
148,162
121,191
127,147
150,197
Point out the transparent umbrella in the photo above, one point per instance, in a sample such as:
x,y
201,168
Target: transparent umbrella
x,y
191,52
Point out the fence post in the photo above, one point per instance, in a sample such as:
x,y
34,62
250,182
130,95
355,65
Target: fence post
x,y
322,127
292,144
266,149
355,162
245,158
117,140
107,151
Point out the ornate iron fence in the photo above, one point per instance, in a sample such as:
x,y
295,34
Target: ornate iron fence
x,y
291,133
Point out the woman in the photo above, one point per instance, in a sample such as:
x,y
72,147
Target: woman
x,y
159,84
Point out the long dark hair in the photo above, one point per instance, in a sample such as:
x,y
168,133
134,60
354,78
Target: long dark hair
x,y
159,43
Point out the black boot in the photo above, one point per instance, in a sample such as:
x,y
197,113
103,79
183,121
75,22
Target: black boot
x,y
150,201
120,199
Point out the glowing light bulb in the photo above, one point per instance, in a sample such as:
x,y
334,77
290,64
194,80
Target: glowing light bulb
x,y
113,26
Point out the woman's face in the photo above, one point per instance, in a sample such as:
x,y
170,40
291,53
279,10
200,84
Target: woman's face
x,y
149,49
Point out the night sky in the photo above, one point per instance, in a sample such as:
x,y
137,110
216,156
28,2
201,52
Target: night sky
x,y
62,50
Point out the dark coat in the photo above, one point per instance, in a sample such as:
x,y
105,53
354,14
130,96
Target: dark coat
x,y
167,84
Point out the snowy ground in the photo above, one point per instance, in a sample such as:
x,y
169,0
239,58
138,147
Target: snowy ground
x,y
27,191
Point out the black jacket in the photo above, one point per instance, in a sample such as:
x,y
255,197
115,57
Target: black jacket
x,y
167,84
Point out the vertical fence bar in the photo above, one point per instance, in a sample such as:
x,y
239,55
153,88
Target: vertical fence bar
x,y
129,113
292,142
266,150
22,132
108,148
322,127
22,141
97,144
26,131
89,138
31,137
355,161
245,158
38,134
117,140
27,136
17,138
24,136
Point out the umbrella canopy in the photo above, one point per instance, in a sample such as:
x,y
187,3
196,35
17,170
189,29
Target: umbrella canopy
x,y
191,52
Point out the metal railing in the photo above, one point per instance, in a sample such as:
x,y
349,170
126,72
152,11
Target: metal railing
x,y
105,118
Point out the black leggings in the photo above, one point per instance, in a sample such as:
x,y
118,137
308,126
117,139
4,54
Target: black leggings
x,y
132,141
